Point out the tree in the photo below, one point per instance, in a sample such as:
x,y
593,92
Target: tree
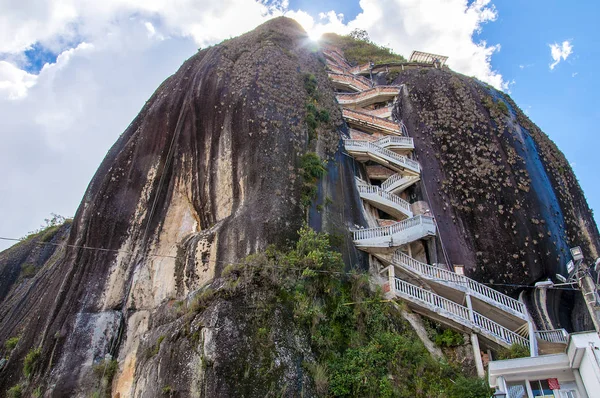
x,y
360,34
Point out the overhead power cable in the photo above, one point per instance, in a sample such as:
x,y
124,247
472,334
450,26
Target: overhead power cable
x,y
265,265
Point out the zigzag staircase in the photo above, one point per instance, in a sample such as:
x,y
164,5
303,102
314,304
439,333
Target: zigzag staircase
x,y
453,299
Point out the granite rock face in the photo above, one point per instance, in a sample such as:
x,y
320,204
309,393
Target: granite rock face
x,y
209,172
507,203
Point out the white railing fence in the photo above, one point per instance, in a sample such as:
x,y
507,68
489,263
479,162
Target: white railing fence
x,y
395,140
371,189
410,291
368,146
377,232
553,336
441,274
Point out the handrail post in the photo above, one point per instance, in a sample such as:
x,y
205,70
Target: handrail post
x,y
392,279
470,307
533,347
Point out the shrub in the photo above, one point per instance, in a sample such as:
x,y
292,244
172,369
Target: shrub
x,y
472,387
310,84
31,361
503,108
201,300
11,343
449,338
167,390
515,351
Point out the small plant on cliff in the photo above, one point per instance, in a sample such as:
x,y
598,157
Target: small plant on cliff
x,y
27,271
15,391
11,343
310,84
201,300
515,351
449,338
31,361
312,169
167,390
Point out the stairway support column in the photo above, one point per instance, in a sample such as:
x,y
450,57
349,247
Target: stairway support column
x,y
392,280
533,347
477,355
475,340
470,307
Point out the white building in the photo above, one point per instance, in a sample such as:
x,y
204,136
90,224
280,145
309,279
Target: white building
x,y
573,374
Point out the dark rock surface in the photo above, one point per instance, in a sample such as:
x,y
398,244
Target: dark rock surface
x,y
507,203
206,174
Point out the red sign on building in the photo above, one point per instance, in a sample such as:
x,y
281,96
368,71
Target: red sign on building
x,y
553,384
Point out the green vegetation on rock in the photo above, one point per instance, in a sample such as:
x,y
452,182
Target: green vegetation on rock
x,y
515,351
15,391
31,361
359,49
313,168
11,343
360,345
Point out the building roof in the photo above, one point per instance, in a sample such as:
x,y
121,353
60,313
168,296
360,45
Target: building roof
x,y
427,58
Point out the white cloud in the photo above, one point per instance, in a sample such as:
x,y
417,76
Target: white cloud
x,y
447,27
560,52
14,82
58,125
574,74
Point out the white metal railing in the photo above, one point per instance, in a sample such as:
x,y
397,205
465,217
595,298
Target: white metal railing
x,y
374,121
459,313
395,140
333,54
393,157
350,98
498,330
553,336
475,288
384,112
372,189
378,232
360,68
359,82
393,180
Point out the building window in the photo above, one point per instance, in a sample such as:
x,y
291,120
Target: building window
x,y
516,390
568,394
540,388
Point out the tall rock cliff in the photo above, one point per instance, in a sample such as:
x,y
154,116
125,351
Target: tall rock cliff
x,y
216,167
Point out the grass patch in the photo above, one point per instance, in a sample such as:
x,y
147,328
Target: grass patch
x,y
359,49
31,361
11,343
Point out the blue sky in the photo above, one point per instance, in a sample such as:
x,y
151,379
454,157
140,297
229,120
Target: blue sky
x,y
73,73
563,101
